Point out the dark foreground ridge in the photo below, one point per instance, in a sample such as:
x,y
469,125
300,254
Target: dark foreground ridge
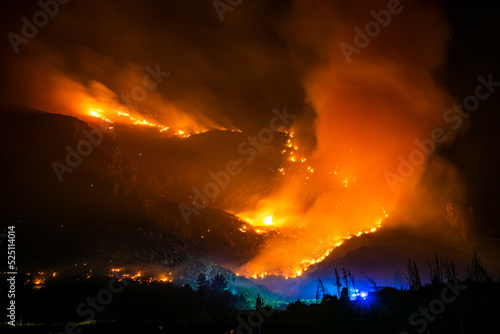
x,y
108,304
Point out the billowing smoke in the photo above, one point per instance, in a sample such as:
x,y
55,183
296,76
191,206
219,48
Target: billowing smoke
x,y
221,74
360,76
378,104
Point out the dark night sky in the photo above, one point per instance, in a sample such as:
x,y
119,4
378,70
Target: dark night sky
x,y
474,50
234,71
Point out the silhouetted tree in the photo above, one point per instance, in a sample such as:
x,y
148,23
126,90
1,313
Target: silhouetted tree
x,y
321,292
258,302
451,273
352,280
337,283
219,283
296,306
372,281
345,276
344,295
431,273
477,271
202,281
436,275
409,275
439,269
417,281
413,276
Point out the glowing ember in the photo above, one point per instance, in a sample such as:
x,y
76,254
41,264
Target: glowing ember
x,y
39,281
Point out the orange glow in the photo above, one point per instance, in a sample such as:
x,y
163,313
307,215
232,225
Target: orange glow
x,y
96,100
268,220
304,237
94,113
301,248
368,115
126,117
297,269
139,276
38,281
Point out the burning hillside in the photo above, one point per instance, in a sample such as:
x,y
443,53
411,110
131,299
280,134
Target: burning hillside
x,y
263,150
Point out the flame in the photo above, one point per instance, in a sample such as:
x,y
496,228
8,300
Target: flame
x,y
125,117
300,267
263,221
360,134
294,245
268,220
94,113
95,100
138,276
99,114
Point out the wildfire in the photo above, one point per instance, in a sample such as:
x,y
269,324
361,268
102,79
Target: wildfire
x,y
298,268
336,195
138,276
94,113
262,222
126,117
99,114
294,161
